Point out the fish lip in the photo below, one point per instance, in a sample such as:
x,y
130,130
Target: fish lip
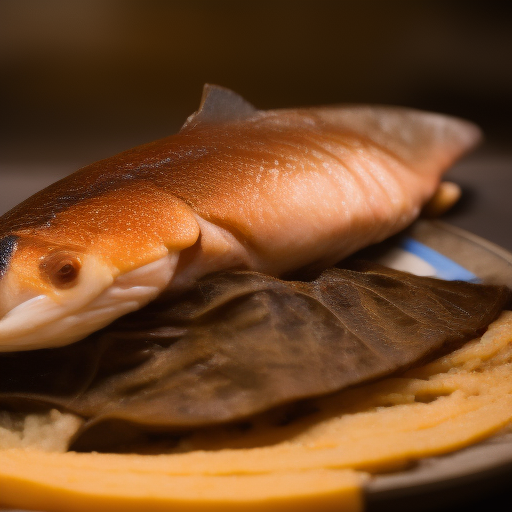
x,y
16,315
62,323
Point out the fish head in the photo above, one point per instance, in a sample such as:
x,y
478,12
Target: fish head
x,y
74,270
45,289
55,295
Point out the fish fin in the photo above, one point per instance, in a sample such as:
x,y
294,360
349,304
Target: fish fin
x,y
425,141
219,105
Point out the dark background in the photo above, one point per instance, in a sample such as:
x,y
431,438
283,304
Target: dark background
x,y
81,80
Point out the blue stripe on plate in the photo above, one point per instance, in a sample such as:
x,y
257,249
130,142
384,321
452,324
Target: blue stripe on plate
x,y
445,267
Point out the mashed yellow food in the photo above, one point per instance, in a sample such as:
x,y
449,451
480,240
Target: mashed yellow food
x,y
319,461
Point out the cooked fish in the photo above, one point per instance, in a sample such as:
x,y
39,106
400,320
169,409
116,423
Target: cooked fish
x,y
270,191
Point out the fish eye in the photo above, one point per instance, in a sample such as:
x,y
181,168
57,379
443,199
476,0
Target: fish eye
x,y
61,270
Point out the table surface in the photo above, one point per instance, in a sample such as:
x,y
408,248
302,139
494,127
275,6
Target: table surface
x,y
485,210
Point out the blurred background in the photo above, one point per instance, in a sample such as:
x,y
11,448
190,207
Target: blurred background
x,y
84,78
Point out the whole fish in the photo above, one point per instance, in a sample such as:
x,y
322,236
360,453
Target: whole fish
x,y
271,191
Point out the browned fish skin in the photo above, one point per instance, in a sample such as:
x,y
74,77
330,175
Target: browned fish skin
x,y
270,191
298,185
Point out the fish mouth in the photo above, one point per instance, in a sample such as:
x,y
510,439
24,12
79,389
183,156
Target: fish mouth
x,y
40,321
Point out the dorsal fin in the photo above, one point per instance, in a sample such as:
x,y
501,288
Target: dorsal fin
x,y
219,105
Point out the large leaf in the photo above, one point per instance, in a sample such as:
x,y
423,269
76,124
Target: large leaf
x,y
240,343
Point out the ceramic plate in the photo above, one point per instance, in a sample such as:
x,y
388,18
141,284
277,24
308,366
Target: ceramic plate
x,y
440,250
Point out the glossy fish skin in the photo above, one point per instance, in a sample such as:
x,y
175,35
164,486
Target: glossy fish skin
x,y
270,191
